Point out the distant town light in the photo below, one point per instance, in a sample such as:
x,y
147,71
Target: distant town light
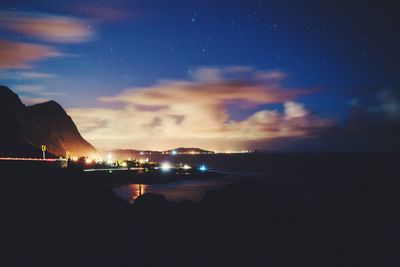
x,y
109,159
186,167
143,161
165,167
124,164
174,152
202,168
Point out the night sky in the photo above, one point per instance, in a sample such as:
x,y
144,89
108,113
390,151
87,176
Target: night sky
x,y
221,75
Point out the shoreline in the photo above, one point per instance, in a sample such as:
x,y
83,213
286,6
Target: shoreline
x,y
116,179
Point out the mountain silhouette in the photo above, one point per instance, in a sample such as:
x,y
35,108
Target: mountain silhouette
x,y
24,129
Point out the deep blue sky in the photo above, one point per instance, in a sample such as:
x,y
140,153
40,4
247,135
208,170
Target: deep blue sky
x,y
346,49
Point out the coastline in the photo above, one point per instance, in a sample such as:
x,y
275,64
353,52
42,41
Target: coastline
x,y
115,179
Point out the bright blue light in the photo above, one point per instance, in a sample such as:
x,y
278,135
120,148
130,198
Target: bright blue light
x,y
174,152
203,168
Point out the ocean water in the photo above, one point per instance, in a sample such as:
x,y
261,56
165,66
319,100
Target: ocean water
x,y
233,167
190,189
293,174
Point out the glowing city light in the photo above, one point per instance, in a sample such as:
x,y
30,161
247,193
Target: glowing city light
x,y
202,168
174,152
124,164
143,161
165,167
186,167
109,159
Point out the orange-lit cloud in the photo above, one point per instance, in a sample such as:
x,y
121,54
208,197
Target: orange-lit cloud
x,y
206,93
16,55
196,113
33,100
57,29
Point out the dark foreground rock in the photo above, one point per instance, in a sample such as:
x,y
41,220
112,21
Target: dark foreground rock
x,y
58,218
150,201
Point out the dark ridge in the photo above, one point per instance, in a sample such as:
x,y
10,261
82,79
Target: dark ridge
x,y
27,128
51,105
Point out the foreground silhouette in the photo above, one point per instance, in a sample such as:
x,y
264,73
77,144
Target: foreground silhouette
x,y
53,217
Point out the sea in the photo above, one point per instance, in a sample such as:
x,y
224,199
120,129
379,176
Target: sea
x,y
278,169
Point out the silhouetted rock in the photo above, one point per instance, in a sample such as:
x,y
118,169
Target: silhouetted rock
x,y
245,196
62,132
27,128
150,200
50,214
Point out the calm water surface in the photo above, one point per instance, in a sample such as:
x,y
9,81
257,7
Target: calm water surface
x,y
279,170
192,189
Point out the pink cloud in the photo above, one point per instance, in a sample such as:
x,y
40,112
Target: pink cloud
x,y
57,29
16,55
196,113
33,100
207,92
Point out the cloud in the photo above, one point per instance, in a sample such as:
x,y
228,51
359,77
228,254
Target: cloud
x,y
156,122
294,121
196,113
33,100
57,29
212,86
25,75
295,110
271,75
150,108
34,89
17,55
36,75
372,124
206,93
34,93
29,88
238,72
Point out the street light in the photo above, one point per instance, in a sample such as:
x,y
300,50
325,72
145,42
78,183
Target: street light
x,y
44,151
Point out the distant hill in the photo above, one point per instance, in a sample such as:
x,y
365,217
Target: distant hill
x,y
186,150
24,129
133,153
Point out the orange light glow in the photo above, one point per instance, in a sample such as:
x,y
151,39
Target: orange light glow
x,y
137,190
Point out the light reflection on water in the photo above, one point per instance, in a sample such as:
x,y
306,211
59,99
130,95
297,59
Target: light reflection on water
x,y
135,191
176,191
